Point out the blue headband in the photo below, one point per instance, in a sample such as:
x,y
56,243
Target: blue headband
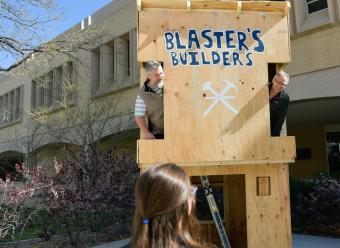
x,y
145,221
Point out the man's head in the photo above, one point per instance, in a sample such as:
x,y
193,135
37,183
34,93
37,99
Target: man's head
x,y
280,81
154,72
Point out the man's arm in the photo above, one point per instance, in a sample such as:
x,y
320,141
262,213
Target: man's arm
x,y
146,134
140,112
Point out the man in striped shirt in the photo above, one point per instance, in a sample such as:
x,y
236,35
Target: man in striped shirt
x,y
150,101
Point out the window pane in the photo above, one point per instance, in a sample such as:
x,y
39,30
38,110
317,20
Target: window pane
x,y
33,94
57,85
316,5
95,69
122,54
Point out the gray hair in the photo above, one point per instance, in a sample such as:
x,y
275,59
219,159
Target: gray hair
x,y
149,66
282,74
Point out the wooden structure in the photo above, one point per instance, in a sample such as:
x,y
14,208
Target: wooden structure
x,y
216,106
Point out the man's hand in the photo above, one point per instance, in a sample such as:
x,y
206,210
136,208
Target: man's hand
x,y
148,135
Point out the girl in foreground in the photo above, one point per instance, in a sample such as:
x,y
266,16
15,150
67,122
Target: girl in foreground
x,y
164,214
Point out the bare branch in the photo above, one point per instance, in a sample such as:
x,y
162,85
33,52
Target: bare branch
x,y
68,45
23,24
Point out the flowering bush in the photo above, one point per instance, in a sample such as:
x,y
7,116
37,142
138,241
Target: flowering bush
x,y
87,192
15,196
316,207
92,191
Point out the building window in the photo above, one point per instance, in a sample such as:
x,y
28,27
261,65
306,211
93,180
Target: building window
x,y
314,6
11,106
53,88
122,58
67,82
95,69
49,89
41,88
5,116
41,92
111,64
107,65
34,94
18,103
1,106
57,85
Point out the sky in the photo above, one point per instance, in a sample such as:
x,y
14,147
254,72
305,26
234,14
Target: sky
x,y
75,11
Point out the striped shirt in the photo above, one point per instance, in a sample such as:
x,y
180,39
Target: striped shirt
x,y
140,108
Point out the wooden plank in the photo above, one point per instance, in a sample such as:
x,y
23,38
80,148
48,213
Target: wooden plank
x,y
235,204
151,45
150,152
217,167
209,233
239,7
226,204
188,5
268,218
214,180
261,6
282,147
161,4
139,5
286,10
279,34
232,138
222,135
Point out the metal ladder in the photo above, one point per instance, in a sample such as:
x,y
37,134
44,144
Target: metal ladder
x,y
215,212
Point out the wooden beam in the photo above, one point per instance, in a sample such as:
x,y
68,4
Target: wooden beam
x,y
286,10
239,7
262,6
222,164
282,150
139,5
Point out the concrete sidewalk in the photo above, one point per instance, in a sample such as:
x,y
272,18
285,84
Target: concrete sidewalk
x,y
116,244
308,241
299,241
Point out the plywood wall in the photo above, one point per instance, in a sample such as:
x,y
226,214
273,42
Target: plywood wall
x,y
195,128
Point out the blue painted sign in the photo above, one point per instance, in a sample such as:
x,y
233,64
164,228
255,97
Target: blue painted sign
x,y
212,47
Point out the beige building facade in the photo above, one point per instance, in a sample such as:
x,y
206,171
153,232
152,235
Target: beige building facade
x,y
314,112
109,73
98,82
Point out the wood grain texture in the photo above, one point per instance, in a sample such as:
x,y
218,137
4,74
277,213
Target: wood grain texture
x,y
263,6
234,144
